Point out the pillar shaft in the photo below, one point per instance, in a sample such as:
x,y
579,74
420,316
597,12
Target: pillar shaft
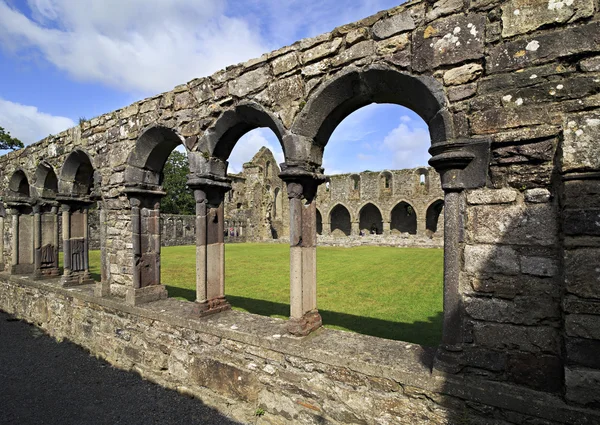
x,y
1,242
386,228
452,326
37,240
15,238
201,289
355,230
66,234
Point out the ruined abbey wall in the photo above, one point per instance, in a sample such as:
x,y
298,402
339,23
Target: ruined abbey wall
x,y
510,91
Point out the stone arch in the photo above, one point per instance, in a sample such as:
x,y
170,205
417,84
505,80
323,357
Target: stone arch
x,y
432,216
18,185
77,175
319,222
370,219
221,138
403,218
147,160
46,182
340,219
354,88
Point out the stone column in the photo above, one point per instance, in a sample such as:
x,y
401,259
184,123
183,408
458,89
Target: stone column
x,y
355,230
210,248
145,228
386,228
55,238
326,228
2,233
66,235
102,288
37,240
15,239
304,316
86,245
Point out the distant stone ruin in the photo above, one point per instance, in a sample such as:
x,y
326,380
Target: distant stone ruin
x,y
510,91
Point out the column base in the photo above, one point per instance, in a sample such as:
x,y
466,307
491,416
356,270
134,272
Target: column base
x,y
148,294
76,279
47,273
306,324
22,269
102,289
449,358
206,308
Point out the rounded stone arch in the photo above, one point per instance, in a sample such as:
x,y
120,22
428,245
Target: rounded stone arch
x,y
354,88
370,218
18,185
77,174
432,216
147,159
403,218
340,219
219,140
319,222
45,181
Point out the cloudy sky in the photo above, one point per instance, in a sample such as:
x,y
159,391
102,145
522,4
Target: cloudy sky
x,y
61,60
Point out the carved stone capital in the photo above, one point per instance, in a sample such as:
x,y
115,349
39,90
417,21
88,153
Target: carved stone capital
x,y
462,164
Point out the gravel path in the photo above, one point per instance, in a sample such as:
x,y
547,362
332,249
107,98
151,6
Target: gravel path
x,y
46,382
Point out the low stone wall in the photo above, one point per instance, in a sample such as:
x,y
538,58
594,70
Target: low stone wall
x,y
247,367
404,241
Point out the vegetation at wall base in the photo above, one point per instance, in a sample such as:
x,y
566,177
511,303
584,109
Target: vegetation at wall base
x,y
393,293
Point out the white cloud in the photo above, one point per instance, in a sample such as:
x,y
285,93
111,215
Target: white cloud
x,y
408,144
135,45
249,144
363,157
28,124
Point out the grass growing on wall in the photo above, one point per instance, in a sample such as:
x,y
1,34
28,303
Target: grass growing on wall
x,y
393,293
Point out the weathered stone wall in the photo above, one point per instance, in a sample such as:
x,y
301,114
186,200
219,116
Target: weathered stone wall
x,y
239,363
511,93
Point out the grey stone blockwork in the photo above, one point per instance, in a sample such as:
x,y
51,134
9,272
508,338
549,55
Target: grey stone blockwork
x,y
510,92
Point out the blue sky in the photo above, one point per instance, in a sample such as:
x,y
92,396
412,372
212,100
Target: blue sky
x,y
61,60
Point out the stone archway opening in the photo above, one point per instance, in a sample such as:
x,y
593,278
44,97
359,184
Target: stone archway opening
x,y
433,216
404,219
341,224
371,220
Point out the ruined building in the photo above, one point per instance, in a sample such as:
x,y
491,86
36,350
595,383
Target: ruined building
x,y
510,91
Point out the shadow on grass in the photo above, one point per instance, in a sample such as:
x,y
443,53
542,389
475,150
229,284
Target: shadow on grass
x,y
427,333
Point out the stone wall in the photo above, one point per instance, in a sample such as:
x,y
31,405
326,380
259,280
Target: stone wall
x,y
510,91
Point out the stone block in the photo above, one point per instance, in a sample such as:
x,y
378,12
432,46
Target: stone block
x,y
516,224
580,142
522,310
572,304
582,272
285,63
583,326
392,45
583,352
444,7
581,194
492,120
583,385
321,51
356,35
492,196
539,266
542,48
537,195
491,259
590,64
462,74
249,82
533,339
225,379
183,101
523,16
510,286
582,222
393,25
357,51
285,91
465,91
447,41
541,372
523,77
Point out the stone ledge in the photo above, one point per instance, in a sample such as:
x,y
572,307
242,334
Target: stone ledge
x,y
405,363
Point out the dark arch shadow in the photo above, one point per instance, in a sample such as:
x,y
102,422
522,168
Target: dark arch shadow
x,y
339,218
433,214
77,175
18,185
403,218
46,182
370,218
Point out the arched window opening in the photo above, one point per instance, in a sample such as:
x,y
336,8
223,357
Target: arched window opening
x,y
268,170
319,223
77,175
46,181
371,221
395,141
339,217
422,179
404,219
433,215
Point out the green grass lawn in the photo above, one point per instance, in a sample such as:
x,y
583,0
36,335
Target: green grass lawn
x,y
393,293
